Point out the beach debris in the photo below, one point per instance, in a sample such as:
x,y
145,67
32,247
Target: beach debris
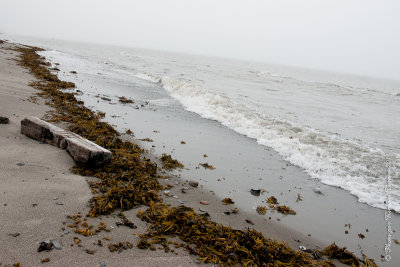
x,y
14,234
57,244
102,264
235,210
45,246
20,163
318,190
346,232
169,164
396,241
45,260
361,236
125,100
81,149
299,197
106,98
203,202
129,132
146,139
183,142
90,251
66,232
205,156
126,222
120,246
207,166
73,72
262,210
227,201
285,210
193,183
272,201
250,221
346,257
4,120
255,192
347,225
227,212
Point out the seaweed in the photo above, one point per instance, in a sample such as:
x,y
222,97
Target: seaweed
x,y
227,201
262,210
169,163
216,243
207,166
285,210
346,257
125,100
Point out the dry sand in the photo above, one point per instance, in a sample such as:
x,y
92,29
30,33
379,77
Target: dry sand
x,y
31,196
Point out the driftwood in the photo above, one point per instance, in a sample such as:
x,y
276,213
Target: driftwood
x,y
81,150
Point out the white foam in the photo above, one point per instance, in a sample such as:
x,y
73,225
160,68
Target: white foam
x,y
335,161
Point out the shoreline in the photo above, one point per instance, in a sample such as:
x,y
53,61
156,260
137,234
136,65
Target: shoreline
x,y
217,215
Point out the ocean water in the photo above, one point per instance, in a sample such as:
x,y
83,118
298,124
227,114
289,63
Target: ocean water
x,y
343,130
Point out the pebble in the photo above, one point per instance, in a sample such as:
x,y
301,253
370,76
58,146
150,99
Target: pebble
x,y
102,264
59,203
55,198
203,202
57,244
66,232
318,190
20,163
193,183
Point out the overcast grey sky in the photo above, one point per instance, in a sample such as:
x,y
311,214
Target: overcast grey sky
x,y
356,36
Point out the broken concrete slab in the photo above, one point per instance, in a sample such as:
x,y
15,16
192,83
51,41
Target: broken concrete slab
x,y
82,150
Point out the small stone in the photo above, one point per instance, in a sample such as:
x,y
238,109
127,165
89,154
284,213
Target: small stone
x,y
59,203
20,163
193,183
14,234
203,202
4,120
102,264
66,232
57,244
55,198
318,191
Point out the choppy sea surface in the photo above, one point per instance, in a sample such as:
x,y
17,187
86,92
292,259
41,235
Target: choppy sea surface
x,y
341,129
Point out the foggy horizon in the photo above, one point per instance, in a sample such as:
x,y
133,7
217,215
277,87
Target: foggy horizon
x,y
356,38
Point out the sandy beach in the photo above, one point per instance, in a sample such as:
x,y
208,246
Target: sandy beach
x,y
38,191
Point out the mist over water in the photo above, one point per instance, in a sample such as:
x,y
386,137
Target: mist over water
x,y
341,129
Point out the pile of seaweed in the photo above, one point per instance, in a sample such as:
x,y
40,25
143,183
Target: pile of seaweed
x,y
130,180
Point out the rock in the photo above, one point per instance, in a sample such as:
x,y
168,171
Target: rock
x,y
59,203
193,183
14,234
102,264
81,149
57,244
203,202
255,192
4,120
318,190
250,221
66,232
45,246
20,164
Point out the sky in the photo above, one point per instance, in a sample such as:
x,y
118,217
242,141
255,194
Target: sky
x,y
357,36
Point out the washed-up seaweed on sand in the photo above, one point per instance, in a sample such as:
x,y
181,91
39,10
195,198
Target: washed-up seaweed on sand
x,y
130,180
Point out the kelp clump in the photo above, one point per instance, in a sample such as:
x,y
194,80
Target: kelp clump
x,y
215,243
346,257
169,163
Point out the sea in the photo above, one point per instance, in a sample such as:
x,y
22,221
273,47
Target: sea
x,y
342,129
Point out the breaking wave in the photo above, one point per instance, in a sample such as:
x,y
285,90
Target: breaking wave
x,y
360,169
